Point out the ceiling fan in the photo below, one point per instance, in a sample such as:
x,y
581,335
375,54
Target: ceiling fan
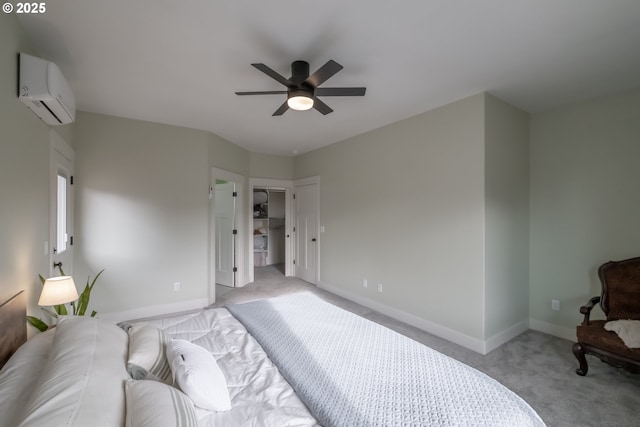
x,y
302,89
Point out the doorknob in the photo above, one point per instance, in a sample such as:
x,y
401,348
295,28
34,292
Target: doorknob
x,y
313,240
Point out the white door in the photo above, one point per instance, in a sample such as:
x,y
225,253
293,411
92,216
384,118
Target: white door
x,y
61,207
306,232
224,207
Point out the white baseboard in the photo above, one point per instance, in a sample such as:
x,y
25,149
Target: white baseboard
x,y
551,329
459,338
508,334
155,310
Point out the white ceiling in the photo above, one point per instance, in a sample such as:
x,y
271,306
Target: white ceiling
x,y
180,61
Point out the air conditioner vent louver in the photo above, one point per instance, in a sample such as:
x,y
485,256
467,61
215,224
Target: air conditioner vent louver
x,y
44,104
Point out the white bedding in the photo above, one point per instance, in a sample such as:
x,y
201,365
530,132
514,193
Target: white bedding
x,y
76,382
19,375
35,388
260,396
351,371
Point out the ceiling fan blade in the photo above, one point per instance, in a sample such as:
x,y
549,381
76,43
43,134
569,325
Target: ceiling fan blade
x,y
280,111
321,106
264,92
340,91
323,73
269,72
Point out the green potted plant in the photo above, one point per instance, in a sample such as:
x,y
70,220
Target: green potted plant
x,y
78,307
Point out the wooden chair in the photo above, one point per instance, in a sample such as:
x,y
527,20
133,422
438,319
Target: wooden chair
x,y
620,300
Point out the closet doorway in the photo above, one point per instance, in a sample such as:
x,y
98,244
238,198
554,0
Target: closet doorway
x,y
270,236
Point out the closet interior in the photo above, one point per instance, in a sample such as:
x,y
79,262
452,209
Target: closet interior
x,y
268,227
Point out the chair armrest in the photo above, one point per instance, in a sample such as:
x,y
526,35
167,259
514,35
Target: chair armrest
x,y
586,309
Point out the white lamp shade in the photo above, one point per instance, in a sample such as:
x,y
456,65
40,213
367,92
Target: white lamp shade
x,y
58,290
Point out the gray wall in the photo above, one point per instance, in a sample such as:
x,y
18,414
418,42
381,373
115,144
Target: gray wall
x,y
585,203
24,177
141,211
142,208
404,206
227,156
270,166
506,217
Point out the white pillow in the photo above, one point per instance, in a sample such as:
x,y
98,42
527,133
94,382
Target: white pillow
x,y
82,383
154,404
198,375
147,354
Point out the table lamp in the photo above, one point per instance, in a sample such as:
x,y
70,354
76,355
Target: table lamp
x,y
58,290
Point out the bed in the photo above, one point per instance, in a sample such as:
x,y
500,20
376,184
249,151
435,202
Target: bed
x,y
294,360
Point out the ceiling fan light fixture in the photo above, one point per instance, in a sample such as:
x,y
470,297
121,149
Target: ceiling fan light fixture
x,y
300,100
302,88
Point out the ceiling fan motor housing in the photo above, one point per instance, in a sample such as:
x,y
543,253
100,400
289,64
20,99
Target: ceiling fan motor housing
x,y
308,93
299,72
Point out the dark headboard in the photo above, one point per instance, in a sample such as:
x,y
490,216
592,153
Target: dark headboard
x,y
13,325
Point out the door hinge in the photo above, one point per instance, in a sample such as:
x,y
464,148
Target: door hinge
x,y
294,229
235,194
70,240
235,269
294,262
234,232
294,197
71,179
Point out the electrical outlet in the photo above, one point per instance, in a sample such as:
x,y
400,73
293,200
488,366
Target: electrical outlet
x,y
379,287
365,284
555,305
177,286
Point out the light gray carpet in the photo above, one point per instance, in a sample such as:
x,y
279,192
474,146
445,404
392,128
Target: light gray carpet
x,y
538,367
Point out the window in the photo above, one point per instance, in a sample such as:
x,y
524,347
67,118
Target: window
x,y
61,226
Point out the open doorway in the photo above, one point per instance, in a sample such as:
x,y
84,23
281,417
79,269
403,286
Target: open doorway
x,y
269,231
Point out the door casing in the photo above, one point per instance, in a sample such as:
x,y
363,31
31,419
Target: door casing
x,y
62,159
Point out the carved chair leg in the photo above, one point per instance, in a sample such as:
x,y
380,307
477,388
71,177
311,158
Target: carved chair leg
x,y
578,352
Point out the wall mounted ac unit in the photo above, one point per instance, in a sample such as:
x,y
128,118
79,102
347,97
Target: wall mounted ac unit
x,y
45,91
